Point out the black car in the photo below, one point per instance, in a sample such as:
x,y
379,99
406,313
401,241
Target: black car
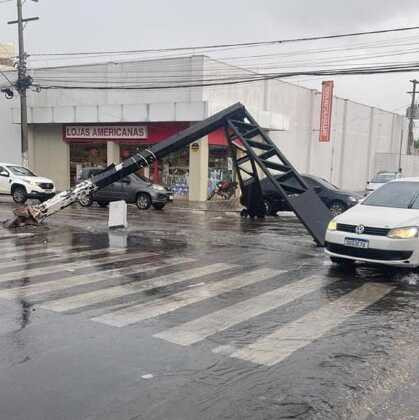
x,y
132,189
335,199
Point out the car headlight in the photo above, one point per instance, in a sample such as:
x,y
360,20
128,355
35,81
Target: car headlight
x,y
332,225
403,233
159,188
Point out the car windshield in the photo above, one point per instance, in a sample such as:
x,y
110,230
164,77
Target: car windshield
x,y
143,178
383,178
400,195
20,171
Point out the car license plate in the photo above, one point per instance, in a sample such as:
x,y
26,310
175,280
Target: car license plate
x,y
357,243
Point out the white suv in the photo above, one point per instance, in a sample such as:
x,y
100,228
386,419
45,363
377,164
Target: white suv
x,y
22,184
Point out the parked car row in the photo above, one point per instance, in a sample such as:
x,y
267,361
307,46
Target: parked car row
x,y
23,184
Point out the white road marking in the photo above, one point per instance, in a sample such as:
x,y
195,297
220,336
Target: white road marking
x,y
110,258
54,259
201,328
80,280
279,345
164,305
26,253
23,247
99,296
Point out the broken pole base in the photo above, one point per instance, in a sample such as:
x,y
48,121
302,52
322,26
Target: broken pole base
x,y
23,217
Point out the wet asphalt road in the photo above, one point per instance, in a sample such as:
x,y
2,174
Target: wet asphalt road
x,y
197,315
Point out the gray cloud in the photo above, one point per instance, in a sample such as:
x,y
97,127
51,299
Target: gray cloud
x,y
68,25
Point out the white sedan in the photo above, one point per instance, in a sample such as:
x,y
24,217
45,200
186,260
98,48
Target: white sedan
x,y
382,229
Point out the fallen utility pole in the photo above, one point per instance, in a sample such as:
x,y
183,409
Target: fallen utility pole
x,y
23,82
260,158
411,138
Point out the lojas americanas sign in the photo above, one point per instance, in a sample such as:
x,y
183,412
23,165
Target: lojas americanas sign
x,y
105,132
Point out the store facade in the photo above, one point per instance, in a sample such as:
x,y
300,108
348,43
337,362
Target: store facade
x,y
69,148
71,128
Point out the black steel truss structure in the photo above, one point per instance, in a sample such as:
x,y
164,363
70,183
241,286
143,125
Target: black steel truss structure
x,y
257,157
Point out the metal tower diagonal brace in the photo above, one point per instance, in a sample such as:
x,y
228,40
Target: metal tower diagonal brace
x,y
261,158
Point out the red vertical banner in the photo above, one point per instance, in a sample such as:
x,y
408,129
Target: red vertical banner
x,y
326,111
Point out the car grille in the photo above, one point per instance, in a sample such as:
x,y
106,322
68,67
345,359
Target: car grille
x,y
372,254
46,186
367,230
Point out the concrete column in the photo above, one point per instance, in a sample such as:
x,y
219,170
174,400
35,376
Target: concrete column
x,y
31,148
113,153
198,170
370,144
343,146
310,131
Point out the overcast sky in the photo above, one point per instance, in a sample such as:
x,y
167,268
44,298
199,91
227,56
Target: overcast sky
x,y
76,25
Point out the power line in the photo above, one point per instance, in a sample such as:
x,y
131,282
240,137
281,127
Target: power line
x,y
236,45
403,68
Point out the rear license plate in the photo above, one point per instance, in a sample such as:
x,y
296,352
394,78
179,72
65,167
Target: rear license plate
x,y
357,243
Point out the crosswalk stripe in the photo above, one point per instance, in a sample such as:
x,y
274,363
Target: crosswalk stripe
x,y
164,305
22,246
62,258
83,279
110,258
279,345
25,253
100,296
201,328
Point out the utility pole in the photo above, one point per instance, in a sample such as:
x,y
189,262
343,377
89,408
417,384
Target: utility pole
x,y
411,139
23,81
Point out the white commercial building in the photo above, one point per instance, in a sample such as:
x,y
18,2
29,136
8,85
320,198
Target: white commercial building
x,y
71,128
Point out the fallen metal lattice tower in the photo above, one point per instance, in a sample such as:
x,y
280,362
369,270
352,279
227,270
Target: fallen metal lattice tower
x,y
255,157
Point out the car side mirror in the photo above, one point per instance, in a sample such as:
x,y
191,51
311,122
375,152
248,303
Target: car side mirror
x,y
318,189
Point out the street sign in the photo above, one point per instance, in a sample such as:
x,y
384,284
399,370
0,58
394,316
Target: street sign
x,y
326,111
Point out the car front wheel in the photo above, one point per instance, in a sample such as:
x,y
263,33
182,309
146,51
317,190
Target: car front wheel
x,y
337,207
19,195
269,208
86,201
143,201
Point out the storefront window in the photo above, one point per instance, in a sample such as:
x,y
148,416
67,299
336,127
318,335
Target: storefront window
x,y
86,156
175,172
220,166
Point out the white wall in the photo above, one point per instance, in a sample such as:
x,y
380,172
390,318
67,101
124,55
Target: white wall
x,y
9,133
162,72
358,131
